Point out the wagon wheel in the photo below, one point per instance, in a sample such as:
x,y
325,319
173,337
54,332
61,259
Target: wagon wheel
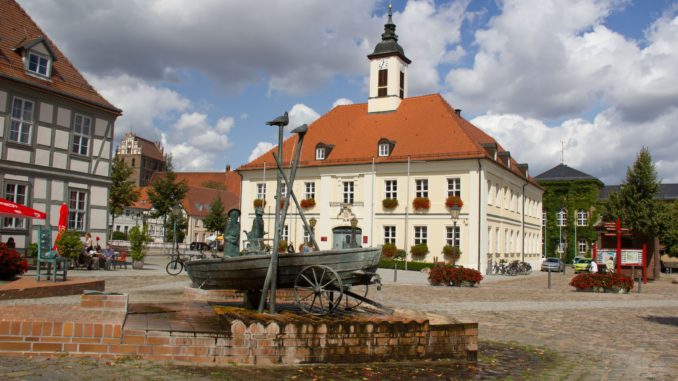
x,y
316,288
358,289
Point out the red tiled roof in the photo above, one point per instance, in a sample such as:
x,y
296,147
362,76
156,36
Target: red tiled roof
x,y
423,128
150,149
196,202
17,28
230,179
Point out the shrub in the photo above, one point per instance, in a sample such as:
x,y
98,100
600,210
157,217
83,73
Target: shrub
x,y
390,203
452,201
69,244
11,263
119,236
259,203
421,203
419,251
389,250
307,203
32,251
442,274
139,240
451,253
583,281
385,263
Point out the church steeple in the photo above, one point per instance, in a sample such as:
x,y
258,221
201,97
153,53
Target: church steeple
x,y
388,70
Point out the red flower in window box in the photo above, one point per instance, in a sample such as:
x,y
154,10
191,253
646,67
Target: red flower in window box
x,y
421,203
307,203
259,203
390,203
452,201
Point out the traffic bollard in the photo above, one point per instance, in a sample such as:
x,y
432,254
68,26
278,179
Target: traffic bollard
x,y
549,278
640,285
395,272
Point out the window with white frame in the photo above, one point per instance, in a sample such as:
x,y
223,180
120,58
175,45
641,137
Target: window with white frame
x,y
320,153
286,234
309,190
384,149
283,189
390,234
349,192
82,128
15,193
22,120
261,191
421,187
582,217
38,64
454,187
452,237
420,235
391,187
582,246
562,217
77,204
490,193
307,237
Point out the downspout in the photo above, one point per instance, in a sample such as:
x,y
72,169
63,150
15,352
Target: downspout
x,y
407,210
374,175
522,227
480,196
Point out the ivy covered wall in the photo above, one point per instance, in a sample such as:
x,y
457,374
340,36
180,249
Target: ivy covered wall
x,y
571,195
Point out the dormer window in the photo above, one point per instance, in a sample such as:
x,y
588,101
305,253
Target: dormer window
x,y
320,153
39,64
385,147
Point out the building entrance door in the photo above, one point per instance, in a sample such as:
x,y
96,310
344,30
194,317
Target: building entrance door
x,y
341,237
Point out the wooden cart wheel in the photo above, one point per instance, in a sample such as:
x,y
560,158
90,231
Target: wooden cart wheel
x,y
358,289
318,289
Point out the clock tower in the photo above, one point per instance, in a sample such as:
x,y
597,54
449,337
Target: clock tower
x,y
388,71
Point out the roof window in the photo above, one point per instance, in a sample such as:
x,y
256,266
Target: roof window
x,y
322,151
385,147
39,64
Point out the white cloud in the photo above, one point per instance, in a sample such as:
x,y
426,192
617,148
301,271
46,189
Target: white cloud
x,y
300,114
195,143
342,102
260,149
143,104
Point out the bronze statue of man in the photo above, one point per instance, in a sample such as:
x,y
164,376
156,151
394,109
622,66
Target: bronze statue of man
x,y
232,234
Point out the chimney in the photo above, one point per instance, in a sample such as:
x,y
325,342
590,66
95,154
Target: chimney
x,y
457,111
228,168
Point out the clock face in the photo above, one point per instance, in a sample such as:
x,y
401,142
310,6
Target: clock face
x,y
383,64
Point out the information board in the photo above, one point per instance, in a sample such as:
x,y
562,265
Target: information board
x,y
603,254
631,257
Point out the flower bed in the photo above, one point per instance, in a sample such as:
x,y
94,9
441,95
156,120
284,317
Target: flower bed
x,y
421,203
389,203
601,282
11,263
448,275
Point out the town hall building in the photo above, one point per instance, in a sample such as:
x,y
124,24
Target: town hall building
x,y
414,152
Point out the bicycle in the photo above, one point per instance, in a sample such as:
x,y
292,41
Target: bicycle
x,y
176,263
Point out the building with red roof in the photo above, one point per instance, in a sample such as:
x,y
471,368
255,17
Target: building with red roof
x,y
56,134
416,152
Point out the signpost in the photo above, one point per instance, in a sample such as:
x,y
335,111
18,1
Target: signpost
x,y
621,257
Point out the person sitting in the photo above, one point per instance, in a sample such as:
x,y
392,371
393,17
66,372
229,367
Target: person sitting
x,y
107,257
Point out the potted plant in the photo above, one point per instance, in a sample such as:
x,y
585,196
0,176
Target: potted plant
x,y
438,275
11,263
70,245
451,201
419,251
389,250
390,203
138,240
259,203
421,203
451,253
470,277
307,203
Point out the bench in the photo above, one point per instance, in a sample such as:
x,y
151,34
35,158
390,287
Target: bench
x,y
56,264
121,257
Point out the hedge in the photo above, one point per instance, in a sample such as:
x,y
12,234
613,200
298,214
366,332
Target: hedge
x,y
414,266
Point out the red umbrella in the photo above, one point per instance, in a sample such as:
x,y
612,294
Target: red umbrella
x,y
63,222
8,208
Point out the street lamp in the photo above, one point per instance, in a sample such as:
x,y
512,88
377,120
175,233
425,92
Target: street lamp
x,y
454,213
354,224
312,223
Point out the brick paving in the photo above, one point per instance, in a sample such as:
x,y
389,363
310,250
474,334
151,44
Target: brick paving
x,y
594,336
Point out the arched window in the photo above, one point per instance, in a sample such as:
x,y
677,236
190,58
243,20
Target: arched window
x,y
582,217
562,217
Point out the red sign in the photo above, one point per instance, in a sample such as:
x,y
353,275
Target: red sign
x,y
364,239
323,239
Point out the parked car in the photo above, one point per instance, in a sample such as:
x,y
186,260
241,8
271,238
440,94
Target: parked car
x,y
198,246
554,264
582,264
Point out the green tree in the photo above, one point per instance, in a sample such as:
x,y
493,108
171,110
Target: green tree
x,y
635,201
216,219
69,244
166,193
182,226
669,237
123,193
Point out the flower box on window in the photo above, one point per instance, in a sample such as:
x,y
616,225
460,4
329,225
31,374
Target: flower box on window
x,y
452,201
419,251
259,203
390,203
389,250
451,253
307,203
421,203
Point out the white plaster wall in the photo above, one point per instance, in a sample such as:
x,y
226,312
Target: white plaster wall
x,y
2,125
42,157
106,152
98,196
61,139
54,211
57,194
46,112
63,117
39,188
98,219
44,136
103,168
100,127
18,155
79,166
16,177
59,160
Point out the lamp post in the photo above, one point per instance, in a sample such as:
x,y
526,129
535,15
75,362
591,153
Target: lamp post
x,y
312,222
454,213
354,224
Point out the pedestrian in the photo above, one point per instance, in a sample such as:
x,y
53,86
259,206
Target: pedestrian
x,y
609,265
88,242
593,266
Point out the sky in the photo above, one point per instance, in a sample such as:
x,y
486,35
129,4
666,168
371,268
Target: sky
x,y
584,82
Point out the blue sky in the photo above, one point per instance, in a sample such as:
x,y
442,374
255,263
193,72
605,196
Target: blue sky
x,y
598,75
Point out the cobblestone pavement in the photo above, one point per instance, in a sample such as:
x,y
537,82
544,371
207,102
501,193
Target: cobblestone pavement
x,y
590,336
